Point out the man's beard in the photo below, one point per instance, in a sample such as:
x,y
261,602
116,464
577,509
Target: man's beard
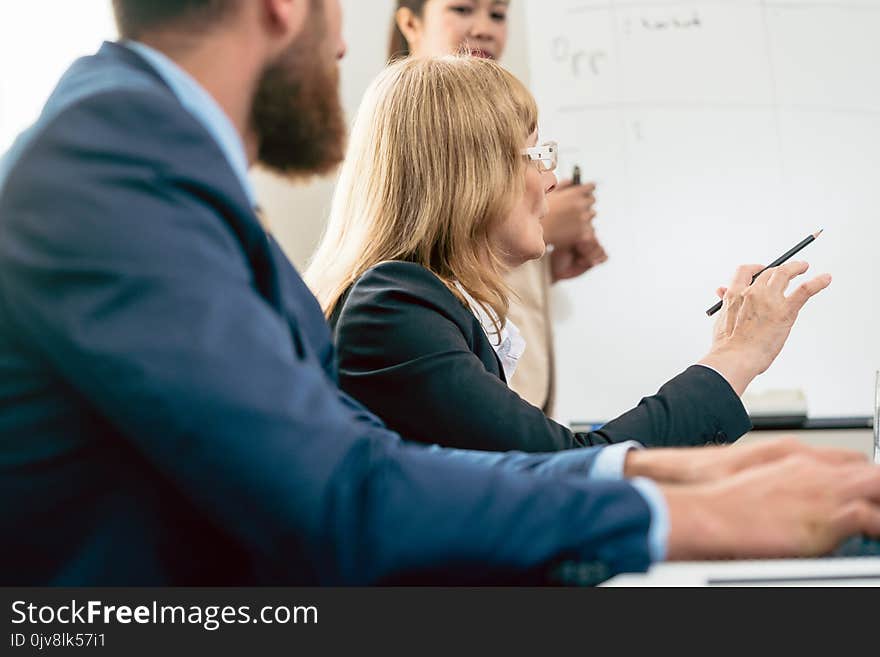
x,y
297,115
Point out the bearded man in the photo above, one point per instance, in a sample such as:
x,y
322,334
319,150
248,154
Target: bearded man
x,y
168,407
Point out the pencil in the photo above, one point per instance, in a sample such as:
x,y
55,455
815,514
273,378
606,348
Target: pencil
x,y
785,256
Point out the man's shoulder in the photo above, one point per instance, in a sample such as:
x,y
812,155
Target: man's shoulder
x,y
117,167
112,72
111,108
114,68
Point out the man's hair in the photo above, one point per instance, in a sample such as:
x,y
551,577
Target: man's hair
x,y
138,17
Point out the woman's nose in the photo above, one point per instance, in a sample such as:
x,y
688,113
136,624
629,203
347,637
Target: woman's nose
x,y
550,183
482,28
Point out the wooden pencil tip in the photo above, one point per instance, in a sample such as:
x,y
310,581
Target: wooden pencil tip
x,y
818,232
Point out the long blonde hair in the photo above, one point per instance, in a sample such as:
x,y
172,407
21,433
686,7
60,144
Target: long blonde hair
x,y
433,162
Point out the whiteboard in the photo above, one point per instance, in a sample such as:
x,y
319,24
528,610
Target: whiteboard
x,y
719,132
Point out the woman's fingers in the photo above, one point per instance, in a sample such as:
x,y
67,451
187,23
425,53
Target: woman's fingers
x,y
587,189
802,294
743,277
781,276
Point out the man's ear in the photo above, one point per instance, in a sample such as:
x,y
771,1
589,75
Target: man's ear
x,y
409,25
285,18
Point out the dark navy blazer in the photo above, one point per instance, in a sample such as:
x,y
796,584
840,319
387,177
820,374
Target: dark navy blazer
x,y
169,412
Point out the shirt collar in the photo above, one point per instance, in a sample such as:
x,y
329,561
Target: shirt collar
x,y
202,106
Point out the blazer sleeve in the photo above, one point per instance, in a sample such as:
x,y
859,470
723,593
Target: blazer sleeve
x,y
403,353
696,407
123,278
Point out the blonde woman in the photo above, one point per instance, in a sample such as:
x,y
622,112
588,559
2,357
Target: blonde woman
x,y
442,193
432,28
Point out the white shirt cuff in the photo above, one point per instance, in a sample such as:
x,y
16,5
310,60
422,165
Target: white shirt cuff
x,y
609,463
658,532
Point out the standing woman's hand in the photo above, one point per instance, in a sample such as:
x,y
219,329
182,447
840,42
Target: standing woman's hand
x,y
575,260
571,214
755,320
568,227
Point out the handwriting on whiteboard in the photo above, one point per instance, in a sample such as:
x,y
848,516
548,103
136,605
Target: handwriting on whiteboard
x,y
582,61
585,61
667,24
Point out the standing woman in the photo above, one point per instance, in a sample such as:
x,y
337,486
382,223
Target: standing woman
x,y
426,28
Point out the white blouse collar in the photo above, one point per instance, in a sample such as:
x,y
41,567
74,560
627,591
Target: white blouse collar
x,y
509,344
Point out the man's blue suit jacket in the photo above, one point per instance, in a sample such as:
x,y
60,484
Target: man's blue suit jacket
x,y
169,412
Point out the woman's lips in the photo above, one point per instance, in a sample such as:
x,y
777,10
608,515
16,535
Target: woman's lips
x,y
483,54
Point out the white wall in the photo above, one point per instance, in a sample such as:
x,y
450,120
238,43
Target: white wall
x,y
38,41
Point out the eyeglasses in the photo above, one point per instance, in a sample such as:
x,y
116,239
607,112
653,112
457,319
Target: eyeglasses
x,y
545,155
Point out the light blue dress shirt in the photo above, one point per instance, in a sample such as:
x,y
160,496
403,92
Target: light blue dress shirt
x,y
198,102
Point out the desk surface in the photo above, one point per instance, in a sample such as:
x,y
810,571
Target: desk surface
x,y
860,571
861,440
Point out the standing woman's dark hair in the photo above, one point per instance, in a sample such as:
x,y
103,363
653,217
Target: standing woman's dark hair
x,y
398,46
